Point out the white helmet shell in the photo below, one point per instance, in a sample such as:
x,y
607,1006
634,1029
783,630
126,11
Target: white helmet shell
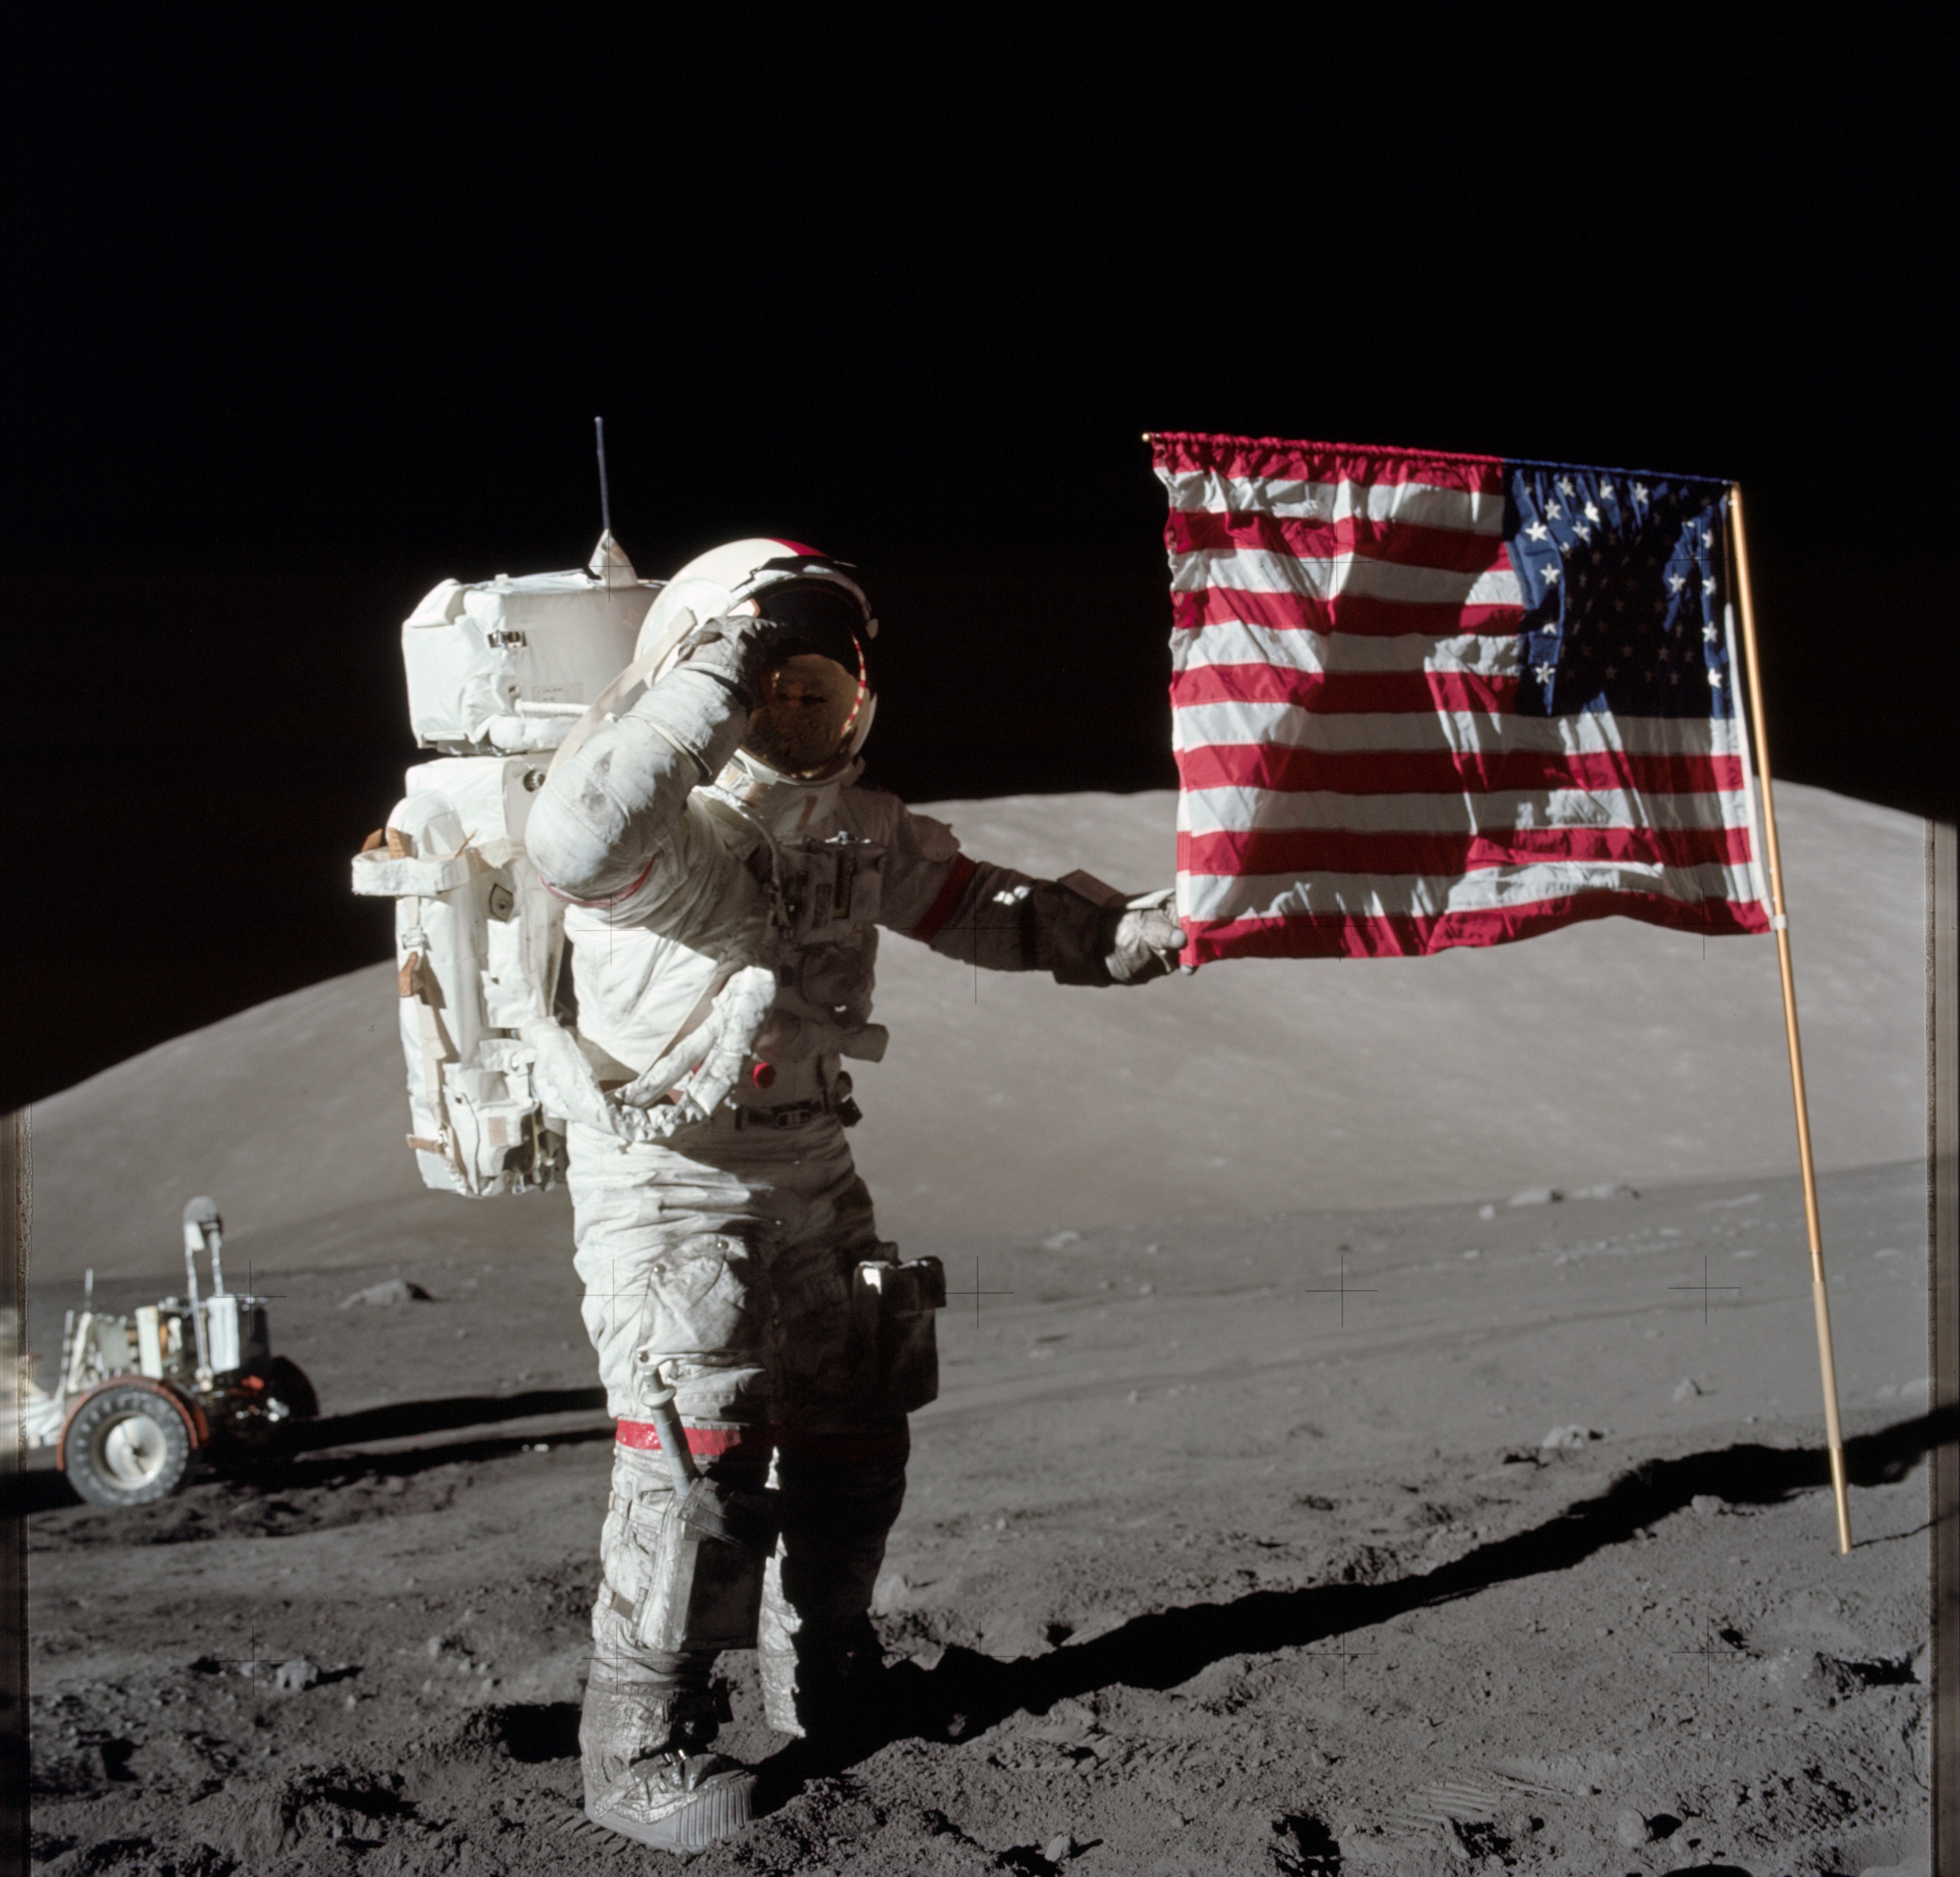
x,y
707,586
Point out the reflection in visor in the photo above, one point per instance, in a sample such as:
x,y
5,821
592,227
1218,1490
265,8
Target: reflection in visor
x,y
809,706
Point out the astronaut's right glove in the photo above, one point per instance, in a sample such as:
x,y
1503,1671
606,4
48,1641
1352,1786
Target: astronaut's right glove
x,y
1142,939
735,651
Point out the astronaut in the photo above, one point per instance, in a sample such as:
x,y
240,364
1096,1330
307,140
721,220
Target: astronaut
x,y
726,873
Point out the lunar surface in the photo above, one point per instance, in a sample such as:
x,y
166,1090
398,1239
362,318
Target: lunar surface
x,y
1379,1429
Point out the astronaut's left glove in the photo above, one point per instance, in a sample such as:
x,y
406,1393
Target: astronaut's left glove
x,y
1086,932
1142,939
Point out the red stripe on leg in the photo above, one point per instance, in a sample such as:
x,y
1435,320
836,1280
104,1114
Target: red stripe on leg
x,y
709,1443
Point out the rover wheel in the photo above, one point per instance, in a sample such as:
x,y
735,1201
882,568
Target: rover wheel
x,y
126,1446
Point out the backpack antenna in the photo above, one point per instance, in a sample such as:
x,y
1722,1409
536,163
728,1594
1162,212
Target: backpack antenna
x,y
605,493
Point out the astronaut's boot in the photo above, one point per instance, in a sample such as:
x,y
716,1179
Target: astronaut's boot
x,y
648,1773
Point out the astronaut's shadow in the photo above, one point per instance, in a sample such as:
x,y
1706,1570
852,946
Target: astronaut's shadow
x,y
968,1693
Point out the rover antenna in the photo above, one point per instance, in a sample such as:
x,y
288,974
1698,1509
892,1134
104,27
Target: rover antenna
x,y
605,493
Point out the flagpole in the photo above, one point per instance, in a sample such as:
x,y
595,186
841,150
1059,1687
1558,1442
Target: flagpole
x,y
1780,923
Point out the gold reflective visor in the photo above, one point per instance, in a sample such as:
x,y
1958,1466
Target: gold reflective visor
x,y
809,704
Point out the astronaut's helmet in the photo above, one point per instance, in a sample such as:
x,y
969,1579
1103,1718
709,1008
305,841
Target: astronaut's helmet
x,y
818,700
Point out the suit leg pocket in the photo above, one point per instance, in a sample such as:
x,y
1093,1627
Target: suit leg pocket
x,y
894,1332
703,1587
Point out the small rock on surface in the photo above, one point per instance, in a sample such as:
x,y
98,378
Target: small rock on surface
x,y
1630,1828
297,1674
393,1290
1610,1189
1069,1719
1705,1503
1574,1436
1059,1848
1060,1241
1537,1196
1685,1390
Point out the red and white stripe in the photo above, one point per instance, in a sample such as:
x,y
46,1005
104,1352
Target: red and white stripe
x,y
1355,780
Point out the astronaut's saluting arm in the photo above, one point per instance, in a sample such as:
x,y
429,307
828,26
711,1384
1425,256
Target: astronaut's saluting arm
x,y
616,810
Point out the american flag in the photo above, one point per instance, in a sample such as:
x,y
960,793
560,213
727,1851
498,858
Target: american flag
x,y
1422,700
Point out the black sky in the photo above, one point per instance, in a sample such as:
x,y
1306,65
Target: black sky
x,y
310,314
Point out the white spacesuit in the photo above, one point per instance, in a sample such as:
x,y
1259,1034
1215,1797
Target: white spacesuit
x,y
724,874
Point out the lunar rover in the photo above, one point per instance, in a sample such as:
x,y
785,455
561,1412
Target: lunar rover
x,y
137,1398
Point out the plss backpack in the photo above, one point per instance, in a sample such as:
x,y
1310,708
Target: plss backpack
x,y
500,673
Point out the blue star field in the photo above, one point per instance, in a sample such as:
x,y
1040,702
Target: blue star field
x,y
1625,578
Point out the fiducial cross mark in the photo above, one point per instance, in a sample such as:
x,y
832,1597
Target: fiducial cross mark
x,y
1343,1289
1704,1287
976,1293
